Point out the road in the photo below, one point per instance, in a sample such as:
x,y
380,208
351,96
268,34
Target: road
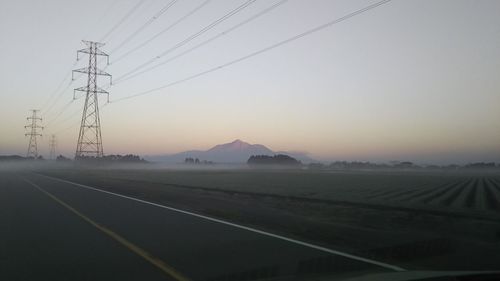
x,y
53,229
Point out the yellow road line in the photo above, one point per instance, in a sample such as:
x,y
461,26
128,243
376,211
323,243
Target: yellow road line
x,y
170,271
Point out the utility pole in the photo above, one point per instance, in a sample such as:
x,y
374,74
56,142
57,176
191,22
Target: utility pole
x,y
89,139
52,146
33,134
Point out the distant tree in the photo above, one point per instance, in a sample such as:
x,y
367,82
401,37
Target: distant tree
x,y
452,167
316,166
481,165
11,158
128,158
340,165
112,158
197,161
280,159
405,164
62,158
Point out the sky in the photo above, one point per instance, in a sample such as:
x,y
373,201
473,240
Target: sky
x,y
413,80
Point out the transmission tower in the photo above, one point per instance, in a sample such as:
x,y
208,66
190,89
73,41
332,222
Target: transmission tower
x,y
89,138
33,134
52,147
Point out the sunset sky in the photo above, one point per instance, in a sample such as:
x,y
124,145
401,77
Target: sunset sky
x,y
409,80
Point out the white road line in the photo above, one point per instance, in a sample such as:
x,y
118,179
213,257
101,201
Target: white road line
x,y
320,248
161,265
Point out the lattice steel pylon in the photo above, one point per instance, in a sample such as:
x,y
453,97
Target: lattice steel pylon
x,y
33,134
52,147
89,139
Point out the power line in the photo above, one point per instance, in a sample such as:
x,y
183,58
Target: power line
x,y
62,93
58,89
162,31
227,31
146,24
68,75
191,37
58,98
69,127
74,123
271,47
122,20
66,106
71,116
130,37
103,16
313,30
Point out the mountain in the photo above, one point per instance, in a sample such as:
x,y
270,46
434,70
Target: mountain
x,y
237,151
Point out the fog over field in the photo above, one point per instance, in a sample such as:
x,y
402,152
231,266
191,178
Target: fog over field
x,y
422,217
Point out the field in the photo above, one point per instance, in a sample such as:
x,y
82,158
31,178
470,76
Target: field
x,y
472,193
419,219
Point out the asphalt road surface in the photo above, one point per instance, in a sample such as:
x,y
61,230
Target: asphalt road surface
x,y
52,229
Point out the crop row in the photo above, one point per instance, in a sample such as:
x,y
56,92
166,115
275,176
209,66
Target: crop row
x,y
473,193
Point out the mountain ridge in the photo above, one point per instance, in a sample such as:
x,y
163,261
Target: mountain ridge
x,y
237,151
